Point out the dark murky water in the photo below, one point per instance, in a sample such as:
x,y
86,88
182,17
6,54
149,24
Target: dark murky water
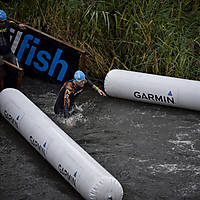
x,y
154,151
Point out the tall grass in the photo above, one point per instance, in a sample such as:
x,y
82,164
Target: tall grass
x,y
160,37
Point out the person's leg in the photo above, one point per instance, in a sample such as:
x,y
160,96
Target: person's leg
x,y
2,76
12,74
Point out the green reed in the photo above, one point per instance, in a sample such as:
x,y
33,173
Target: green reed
x,y
160,37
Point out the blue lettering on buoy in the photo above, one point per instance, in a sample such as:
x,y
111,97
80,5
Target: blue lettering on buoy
x,y
75,174
37,145
44,145
170,93
65,173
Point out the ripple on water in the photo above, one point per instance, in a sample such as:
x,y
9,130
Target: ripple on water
x,y
185,143
174,168
189,189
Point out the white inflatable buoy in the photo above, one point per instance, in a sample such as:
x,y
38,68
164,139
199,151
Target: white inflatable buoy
x,y
86,175
155,89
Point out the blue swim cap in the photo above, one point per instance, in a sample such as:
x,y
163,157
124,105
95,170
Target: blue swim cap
x,y
2,15
79,75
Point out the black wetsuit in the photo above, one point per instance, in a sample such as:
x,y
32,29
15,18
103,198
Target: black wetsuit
x,y
66,97
5,52
5,44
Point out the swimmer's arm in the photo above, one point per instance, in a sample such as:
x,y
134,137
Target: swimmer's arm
x,y
15,25
67,103
101,92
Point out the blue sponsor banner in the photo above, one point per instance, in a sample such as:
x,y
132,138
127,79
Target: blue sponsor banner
x,y
43,56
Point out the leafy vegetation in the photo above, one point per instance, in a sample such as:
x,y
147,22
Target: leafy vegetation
x,y
160,37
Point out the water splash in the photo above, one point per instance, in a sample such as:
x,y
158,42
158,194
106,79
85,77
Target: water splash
x,y
75,119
